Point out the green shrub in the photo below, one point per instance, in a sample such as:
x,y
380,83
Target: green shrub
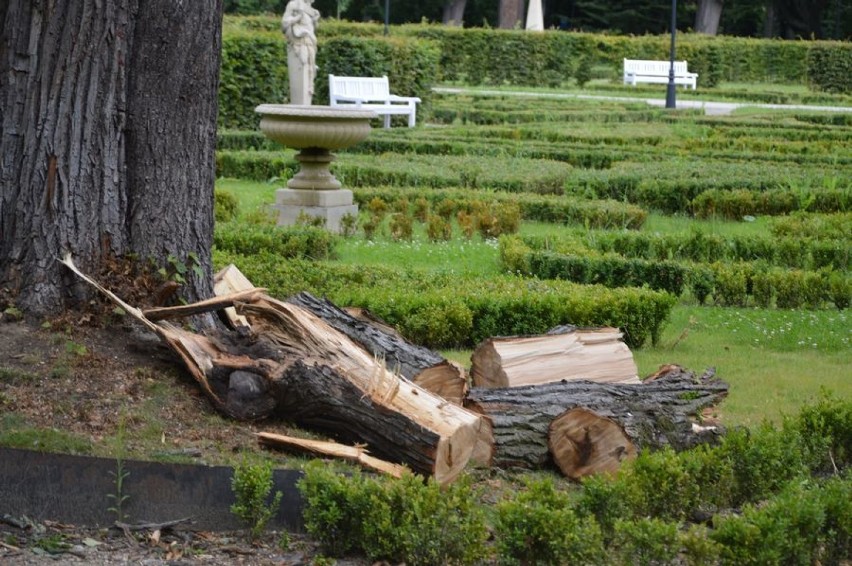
x,y
664,487
225,206
825,430
645,541
836,497
252,487
829,67
405,520
538,526
763,461
698,548
785,530
731,283
308,242
607,499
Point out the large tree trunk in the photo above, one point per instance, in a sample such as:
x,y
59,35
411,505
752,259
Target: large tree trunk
x,y
708,15
511,14
108,117
651,415
454,12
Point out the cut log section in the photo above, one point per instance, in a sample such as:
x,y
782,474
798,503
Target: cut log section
x,y
652,415
584,443
594,354
354,454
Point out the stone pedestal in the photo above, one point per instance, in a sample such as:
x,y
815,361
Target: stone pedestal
x,y
316,131
330,205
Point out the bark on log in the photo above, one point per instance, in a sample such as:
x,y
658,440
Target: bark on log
x,y
594,354
652,415
421,365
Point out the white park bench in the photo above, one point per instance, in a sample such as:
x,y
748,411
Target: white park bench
x,y
639,71
371,93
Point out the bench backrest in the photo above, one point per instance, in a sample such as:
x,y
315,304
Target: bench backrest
x,y
643,67
360,87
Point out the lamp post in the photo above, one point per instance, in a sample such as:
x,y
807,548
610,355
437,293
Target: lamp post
x,y
387,16
670,90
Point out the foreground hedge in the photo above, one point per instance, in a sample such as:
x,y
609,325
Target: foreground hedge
x,y
770,495
448,311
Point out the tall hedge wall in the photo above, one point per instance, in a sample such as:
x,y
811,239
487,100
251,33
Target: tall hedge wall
x,y
416,56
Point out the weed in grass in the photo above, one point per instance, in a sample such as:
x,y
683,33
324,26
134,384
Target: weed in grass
x,y
15,432
119,497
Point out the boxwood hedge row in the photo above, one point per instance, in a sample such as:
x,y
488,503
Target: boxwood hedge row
x,y
446,311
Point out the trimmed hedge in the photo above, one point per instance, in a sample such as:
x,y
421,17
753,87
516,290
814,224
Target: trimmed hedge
x,y
830,67
446,311
543,208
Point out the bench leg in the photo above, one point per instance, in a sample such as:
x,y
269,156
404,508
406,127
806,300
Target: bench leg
x,y
412,117
386,120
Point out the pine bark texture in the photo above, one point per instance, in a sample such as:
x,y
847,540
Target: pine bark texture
x,y
108,114
707,16
653,415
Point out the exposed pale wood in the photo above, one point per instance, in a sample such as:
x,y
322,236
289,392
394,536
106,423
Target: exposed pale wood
x,y
652,415
584,443
350,453
231,280
594,354
208,305
421,365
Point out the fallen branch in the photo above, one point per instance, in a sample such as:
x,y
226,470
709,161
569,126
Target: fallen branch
x,y
354,454
151,526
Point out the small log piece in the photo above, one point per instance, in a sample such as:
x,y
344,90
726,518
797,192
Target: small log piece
x,y
584,443
594,354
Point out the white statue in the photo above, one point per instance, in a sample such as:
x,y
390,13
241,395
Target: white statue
x,y
300,19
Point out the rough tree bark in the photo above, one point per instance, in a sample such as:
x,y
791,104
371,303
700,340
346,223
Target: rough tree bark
x,y
108,113
454,12
660,413
510,14
708,15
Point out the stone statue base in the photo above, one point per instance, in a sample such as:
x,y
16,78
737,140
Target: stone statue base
x,y
330,205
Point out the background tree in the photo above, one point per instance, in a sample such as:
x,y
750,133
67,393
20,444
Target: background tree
x,y
454,12
108,114
707,16
511,14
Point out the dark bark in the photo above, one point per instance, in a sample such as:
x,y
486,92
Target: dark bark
x,y
510,14
108,119
399,355
661,413
421,365
708,15
454,12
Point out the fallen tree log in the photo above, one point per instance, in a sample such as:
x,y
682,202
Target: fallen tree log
x,y
421,365
594,354
293,364
661,413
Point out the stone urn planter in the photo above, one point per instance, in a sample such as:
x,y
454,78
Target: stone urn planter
x,y
315,131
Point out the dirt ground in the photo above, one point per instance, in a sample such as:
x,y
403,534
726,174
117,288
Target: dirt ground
x,y
85,375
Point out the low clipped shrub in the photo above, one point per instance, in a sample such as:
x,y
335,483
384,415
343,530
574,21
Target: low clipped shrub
x,y
824,428
307,242
539,526
645,541
402,520
225,206
787,529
